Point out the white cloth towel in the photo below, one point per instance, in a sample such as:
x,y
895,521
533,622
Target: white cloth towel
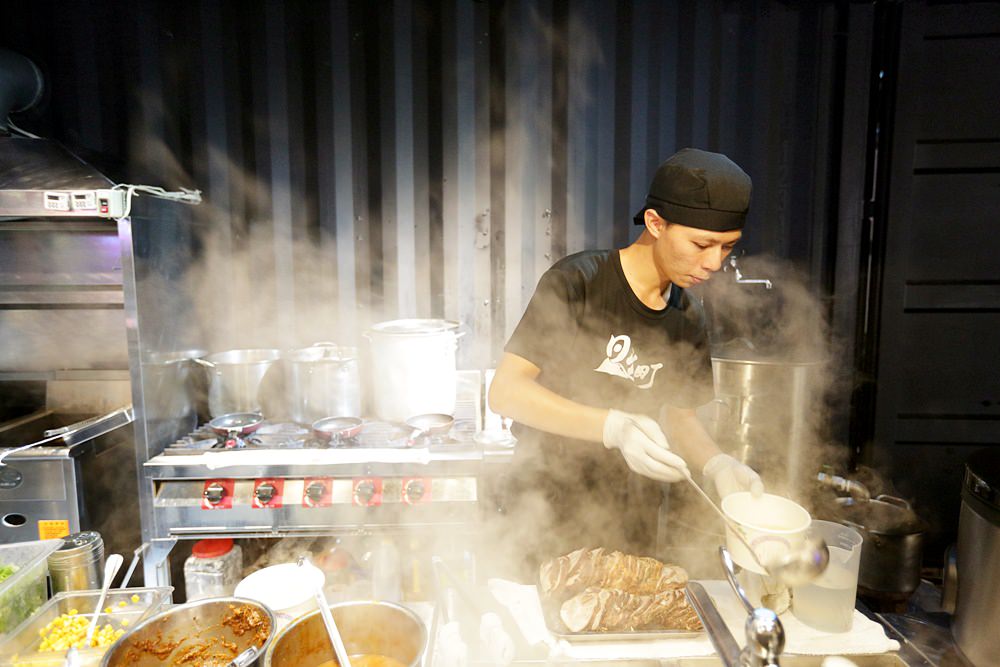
x,y
865,637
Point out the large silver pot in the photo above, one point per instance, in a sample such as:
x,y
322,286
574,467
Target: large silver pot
x,y
171,388
413,368
893,534
763,408
211,632
368,628
977,615
322,381
238,379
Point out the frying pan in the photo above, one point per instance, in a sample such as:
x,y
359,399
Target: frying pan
x,y
430,424
335,430
235,425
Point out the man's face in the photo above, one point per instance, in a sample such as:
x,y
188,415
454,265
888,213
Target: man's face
x,y
687,256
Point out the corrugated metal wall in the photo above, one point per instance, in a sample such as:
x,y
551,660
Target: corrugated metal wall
x,y
374,160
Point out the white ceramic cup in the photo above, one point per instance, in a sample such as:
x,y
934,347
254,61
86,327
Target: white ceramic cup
x,y
773,525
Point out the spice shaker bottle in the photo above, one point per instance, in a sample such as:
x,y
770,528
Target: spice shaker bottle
x,y
78,565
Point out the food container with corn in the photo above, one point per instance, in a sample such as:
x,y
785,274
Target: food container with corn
x,y
62,622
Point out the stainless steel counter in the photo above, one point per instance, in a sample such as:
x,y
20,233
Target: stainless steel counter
x,y
909,655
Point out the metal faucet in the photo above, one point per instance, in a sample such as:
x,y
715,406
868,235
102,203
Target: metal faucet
x,y
734,265
856,490
765,639
764,632
765,636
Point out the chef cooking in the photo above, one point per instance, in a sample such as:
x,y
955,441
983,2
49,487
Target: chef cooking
x,y
604,371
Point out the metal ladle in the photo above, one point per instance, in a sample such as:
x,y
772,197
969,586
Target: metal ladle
x,y
794,568
339,650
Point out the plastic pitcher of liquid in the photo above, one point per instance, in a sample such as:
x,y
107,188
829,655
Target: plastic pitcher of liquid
x,y
827,603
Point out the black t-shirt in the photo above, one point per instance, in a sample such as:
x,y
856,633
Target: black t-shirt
x,y
596,343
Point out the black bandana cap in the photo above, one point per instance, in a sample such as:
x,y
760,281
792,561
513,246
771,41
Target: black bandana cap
x,y
696,188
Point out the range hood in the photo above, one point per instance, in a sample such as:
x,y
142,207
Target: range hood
x,y
40,178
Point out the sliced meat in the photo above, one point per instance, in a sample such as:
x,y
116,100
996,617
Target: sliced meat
x,y
576,571
608,609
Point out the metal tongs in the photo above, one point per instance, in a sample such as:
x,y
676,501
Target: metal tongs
x,y
136,555
339,650
244,659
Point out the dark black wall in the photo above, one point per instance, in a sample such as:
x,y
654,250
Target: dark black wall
x,y
390,133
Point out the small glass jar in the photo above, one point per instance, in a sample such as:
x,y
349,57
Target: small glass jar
x,y
213,569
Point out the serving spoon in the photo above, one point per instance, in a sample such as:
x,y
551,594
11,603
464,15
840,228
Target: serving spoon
x,y
339,650
110,570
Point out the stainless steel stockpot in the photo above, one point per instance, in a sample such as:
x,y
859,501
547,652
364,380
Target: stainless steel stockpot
x,y
322,380
368,628
173,388
977,615
413,367
893,534
237,379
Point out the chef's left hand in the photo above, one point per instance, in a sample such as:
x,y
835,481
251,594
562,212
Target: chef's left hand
x,y
730,476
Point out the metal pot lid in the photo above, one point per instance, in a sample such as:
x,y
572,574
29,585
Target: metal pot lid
x,y
174,357
409,327
77,543
880,517
321,353
247,356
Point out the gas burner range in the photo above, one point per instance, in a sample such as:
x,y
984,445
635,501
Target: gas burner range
x,y
291,435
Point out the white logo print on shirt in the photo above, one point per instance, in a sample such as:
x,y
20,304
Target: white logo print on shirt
x,y
621,362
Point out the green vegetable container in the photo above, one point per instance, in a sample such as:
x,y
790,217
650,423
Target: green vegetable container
x,y
25,590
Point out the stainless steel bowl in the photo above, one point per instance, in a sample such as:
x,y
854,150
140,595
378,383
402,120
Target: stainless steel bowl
x,y
368,628
210,632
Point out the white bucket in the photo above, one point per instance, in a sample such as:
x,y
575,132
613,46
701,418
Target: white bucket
x,y
289,589
773,525
413,368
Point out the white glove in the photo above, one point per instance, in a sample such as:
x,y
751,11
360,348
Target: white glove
x,y
730,476
644,446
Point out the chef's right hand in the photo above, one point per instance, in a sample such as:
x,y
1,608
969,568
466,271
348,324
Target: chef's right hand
x,y
642,443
